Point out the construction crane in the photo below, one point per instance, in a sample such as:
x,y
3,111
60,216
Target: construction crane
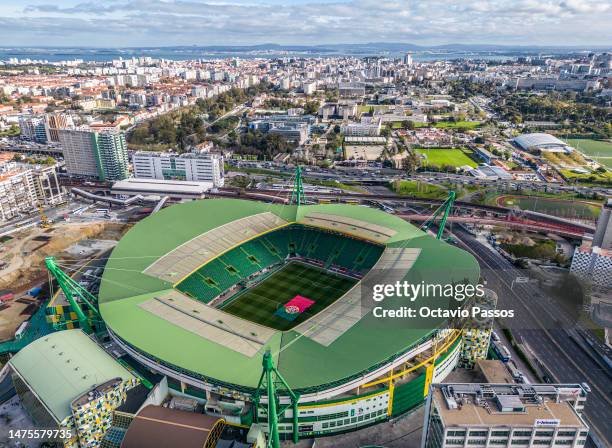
x,y
444,208
73,291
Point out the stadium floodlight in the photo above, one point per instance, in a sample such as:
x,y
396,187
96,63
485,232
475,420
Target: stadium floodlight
x,y
269,373
72,290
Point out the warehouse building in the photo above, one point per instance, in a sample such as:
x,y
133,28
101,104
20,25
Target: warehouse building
x,y
66,381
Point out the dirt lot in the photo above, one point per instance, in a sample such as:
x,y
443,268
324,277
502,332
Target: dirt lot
x,y
11,318
24,256
25,253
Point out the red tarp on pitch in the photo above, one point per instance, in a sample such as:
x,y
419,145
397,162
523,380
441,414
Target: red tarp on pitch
x,y
293,308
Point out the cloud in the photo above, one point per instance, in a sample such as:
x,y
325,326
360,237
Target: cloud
x,y
173,22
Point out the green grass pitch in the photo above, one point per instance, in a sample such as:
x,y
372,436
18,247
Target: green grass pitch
x,y
440,157
259,303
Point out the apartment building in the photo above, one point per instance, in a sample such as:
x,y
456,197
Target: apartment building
x,y
505,415
22,188
88,153
367,127
199,167
17,191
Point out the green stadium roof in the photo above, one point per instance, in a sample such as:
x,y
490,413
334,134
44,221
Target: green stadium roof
x,y
61,366
303,362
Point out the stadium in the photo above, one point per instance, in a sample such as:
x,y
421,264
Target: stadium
x,y
200,291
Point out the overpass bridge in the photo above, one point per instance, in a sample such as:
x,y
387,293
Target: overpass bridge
x,y
508,217
516,223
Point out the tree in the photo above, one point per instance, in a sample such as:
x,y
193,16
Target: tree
x,y
311,107
408,124
412,162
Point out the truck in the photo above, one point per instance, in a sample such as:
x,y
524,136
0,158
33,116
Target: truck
x,y
22,329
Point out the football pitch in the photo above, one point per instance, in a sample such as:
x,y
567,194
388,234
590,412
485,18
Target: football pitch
x,y
441,157
259,303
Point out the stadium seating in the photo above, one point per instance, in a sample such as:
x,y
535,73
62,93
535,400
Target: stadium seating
x,y
252,256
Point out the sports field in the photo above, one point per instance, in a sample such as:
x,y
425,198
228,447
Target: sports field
x,y
440,157
260,303
596,149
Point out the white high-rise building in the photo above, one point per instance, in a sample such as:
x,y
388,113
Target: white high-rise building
x,y
79,154
199,167
88,153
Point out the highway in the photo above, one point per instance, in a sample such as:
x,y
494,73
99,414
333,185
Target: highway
x,y
537,323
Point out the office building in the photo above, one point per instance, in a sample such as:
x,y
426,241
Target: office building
x,y
351,89
292,132
592,261
294,128
198,167
33,128
578,85
504,415
87,153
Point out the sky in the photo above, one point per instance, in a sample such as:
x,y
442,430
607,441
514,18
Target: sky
x,y
141,23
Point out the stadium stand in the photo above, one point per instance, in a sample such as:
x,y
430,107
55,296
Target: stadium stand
x,y
184,259
350,226
238,334
294,240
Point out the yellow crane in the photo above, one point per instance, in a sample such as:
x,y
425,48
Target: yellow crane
x,y
44,221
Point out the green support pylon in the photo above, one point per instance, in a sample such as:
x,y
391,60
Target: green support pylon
x,y
72,290
449,203
297,194
446,207
275,411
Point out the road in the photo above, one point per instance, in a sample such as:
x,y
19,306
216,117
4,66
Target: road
x,y
539,328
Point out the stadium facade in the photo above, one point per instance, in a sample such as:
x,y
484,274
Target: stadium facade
x,y
200,291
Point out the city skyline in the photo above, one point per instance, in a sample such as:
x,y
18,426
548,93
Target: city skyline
x,y
250,22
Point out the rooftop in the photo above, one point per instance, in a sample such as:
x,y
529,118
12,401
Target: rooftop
x,y
62,366
161,186
538,140
521,408
168,428
126,288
